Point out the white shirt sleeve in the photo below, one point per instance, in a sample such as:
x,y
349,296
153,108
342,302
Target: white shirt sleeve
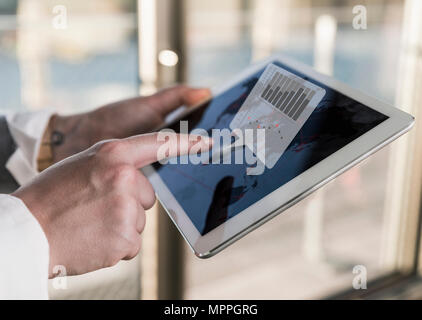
x,y
24,252
27,130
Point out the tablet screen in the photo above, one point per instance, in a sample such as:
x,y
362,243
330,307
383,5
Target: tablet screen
x,y
211,194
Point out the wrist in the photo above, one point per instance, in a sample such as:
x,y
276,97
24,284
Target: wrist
x,y
69,135
31,200
41,211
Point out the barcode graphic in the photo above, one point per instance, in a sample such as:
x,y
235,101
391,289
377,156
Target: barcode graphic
x,y
287,95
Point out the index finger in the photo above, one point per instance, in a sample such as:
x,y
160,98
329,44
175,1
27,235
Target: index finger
x,y
148,148
169,99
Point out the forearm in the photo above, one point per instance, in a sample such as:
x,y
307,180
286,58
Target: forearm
x,y
72,134
63,137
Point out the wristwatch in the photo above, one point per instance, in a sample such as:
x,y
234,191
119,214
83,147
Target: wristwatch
x,y
50,139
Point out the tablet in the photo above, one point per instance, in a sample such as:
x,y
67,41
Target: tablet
x,y
215,204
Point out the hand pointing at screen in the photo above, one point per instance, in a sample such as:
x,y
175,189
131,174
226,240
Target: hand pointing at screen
x,y
92,205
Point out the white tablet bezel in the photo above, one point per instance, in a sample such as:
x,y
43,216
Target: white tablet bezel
x,y
296,189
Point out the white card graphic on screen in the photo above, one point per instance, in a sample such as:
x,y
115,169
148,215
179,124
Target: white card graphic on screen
x,y
280,103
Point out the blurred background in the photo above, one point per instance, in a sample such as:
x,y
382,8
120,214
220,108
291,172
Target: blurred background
x,y
76,55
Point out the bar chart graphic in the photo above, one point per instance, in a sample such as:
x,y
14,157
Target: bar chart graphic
x,y
280,103
287,95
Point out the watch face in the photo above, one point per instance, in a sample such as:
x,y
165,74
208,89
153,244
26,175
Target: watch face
x,y
45,153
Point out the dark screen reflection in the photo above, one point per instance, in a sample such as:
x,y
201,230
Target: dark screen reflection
x,y
211,194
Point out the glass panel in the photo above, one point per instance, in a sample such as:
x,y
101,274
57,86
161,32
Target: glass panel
x,y
71,56
51,49
311,249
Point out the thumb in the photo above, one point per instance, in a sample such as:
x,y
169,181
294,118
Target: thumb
x,y
145,149
170,99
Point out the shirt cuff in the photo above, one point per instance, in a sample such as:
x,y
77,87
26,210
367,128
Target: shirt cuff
x,y
24,252
27,130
